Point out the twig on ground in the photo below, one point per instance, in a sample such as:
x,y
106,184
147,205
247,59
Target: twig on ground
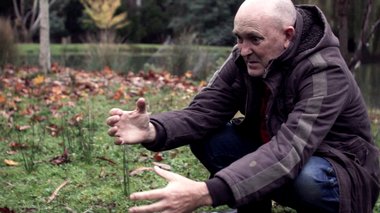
x,y
55,193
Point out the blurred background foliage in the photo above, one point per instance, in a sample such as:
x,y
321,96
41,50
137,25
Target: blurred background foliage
x,y
157,21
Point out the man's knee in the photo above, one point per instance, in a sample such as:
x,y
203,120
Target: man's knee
x,y
317,185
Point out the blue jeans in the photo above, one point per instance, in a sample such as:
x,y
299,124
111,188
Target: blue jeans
x,y
314,190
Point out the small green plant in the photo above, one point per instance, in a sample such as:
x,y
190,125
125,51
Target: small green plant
x,y
29,145
126,181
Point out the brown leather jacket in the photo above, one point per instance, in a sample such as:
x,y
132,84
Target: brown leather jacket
x,y
315,108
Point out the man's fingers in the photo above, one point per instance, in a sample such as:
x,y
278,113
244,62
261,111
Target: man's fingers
x,y
141,105
154,207
169,176
112,131
155,194
115,111
118,141
112,120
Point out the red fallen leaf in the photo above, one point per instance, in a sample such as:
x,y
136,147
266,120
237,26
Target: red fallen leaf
x,y
6,210
15,145
64,158
140,170
118,94
158,157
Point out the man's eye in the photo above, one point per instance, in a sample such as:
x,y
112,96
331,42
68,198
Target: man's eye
x,y
239,40
255,39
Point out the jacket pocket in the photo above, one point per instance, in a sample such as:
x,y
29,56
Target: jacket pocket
x,y
357,149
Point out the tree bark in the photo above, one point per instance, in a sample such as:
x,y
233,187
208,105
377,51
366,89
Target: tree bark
x,y
365,34
45,63
342,8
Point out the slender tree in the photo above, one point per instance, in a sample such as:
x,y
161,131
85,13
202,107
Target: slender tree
x,y
367,31
45,62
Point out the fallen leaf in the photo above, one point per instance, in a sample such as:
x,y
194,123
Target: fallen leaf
x,y
188,74
140,170
163,166
158,157
38,80
3,99
22,128
10,162
76,119
11,152
53,130
64,158
6,210
15,145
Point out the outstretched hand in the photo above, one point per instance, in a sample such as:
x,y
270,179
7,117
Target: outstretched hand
x,y
180,195
131,127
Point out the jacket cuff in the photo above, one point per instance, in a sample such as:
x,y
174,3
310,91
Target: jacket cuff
x,y
220,192
159,142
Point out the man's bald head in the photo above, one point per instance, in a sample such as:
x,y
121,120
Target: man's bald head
x,y
264,29
281,12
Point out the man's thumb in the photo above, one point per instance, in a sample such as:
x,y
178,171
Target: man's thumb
x,y
141,105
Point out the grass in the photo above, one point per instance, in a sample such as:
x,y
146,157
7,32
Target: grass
x,y
82,48
95,168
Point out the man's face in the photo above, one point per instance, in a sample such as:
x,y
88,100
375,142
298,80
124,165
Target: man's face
x,y
259,40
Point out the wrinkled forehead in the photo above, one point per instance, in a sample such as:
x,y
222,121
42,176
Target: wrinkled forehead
x,y
247,20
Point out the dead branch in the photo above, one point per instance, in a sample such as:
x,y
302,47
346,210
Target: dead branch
x,y
365,34
55,193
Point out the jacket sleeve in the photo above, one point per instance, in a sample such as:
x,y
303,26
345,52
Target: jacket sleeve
x,y
322,93
212,108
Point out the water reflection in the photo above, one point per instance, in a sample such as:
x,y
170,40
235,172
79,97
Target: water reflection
x,y
368,78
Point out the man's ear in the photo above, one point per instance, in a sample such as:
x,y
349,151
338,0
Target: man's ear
x,y
289,35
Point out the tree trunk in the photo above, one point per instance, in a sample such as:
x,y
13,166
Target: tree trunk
x,y
342,7
44,36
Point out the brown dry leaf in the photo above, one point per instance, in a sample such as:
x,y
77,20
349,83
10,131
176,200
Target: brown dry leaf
x,y
11,152
118,94
64,158
140,170
3,99
163,166
22,128
188,74
76,119
11,162
53,130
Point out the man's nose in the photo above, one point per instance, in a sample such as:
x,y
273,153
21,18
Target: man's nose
x,y
245,49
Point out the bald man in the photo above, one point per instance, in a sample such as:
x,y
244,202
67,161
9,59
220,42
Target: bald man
x,y
304,140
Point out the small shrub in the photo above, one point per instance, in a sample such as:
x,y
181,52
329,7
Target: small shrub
x,y
105,51
7,44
